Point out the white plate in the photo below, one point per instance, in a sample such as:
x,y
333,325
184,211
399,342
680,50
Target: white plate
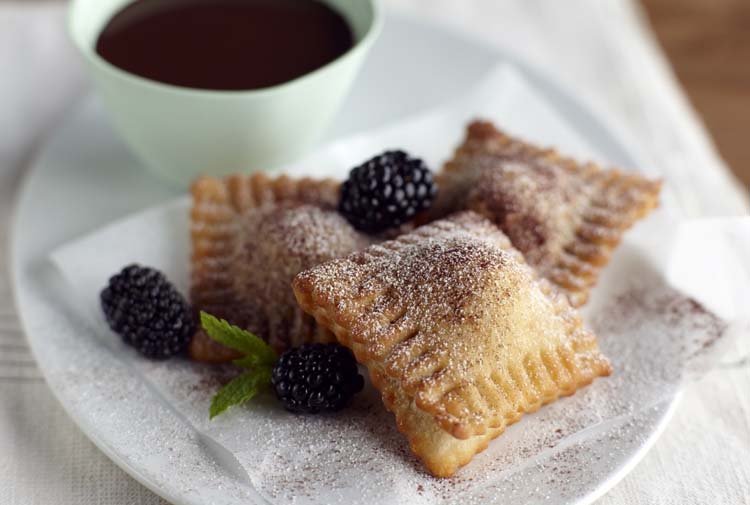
x,y
85,177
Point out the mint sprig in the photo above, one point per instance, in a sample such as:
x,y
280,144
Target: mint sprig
x,y
258,358
239,390
238,339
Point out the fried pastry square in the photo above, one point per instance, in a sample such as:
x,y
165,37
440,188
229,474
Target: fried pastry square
x,y
250,236
457,332
565,217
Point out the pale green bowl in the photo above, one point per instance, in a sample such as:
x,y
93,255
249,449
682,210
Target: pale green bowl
x,y
181,133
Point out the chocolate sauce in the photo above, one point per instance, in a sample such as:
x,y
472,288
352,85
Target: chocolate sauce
x,y
224,44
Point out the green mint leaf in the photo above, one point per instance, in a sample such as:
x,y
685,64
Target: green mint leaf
x,y
249,361
256,350
239,390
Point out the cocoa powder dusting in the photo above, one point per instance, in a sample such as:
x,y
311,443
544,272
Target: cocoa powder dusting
x,y
652,334
552,207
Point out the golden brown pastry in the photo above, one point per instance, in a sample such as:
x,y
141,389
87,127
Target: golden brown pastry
x,y
250,236
565,217
457,332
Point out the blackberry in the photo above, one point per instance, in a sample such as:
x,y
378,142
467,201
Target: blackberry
x,y
386,191
146,310
316,378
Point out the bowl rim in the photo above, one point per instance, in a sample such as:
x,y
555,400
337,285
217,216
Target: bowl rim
x,y
92,57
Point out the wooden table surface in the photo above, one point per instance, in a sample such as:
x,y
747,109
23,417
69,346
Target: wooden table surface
x,y
708,43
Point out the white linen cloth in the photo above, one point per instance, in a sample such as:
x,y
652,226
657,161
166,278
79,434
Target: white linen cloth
x,y
600,46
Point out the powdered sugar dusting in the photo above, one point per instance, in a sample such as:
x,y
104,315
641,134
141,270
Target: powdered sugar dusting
x,y
434,272
307,231
558,212
272,244
153,413
651,333
450,312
